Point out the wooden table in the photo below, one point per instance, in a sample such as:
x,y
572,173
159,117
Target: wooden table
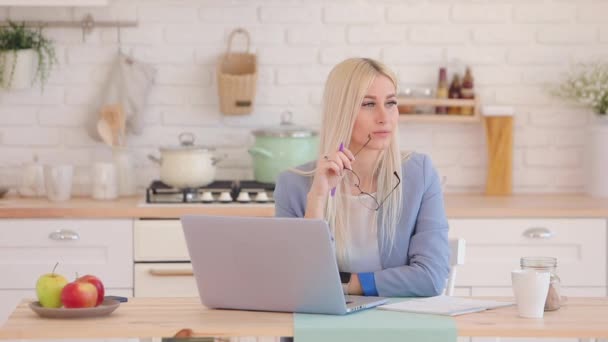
x,y
163,317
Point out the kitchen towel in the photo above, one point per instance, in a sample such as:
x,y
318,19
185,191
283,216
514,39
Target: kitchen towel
x,y
129,84
374,325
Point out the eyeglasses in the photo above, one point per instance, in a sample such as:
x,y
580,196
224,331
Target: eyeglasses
x,y
368,200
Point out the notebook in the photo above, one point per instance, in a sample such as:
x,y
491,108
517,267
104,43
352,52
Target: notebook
x,y
444,305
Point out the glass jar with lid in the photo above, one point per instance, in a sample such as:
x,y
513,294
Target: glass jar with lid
x,y
546,264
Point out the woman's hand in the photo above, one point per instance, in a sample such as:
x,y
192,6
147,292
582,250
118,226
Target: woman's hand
x,y
330,170
354,286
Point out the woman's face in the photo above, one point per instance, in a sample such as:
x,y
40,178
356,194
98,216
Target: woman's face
x,y
378,116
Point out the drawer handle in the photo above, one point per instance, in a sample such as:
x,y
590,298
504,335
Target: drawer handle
x,y
538,233
64,234
170,273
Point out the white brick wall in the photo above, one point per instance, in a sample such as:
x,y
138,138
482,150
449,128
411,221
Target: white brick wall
x,y
516,48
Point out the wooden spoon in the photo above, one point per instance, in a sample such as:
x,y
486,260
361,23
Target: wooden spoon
x,y
105,132
121,119
114,116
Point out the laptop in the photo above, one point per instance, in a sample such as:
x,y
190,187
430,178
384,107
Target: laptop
x,y
268,264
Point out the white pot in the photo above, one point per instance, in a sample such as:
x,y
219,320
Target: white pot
x,y
21,65
596,157
187,165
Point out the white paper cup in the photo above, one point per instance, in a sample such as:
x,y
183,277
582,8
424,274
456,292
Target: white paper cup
x,y
58,181
530,288
105,181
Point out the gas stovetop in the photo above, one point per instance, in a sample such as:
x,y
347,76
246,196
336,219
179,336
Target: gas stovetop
x,y
221,191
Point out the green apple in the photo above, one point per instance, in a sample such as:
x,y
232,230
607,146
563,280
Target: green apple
x,y
48,289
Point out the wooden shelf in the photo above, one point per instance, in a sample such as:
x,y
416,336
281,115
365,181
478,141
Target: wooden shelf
x,y
53,3
440,118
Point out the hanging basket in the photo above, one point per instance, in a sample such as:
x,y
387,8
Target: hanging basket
x,y
237,76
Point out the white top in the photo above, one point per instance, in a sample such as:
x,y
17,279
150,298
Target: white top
x,y
363,252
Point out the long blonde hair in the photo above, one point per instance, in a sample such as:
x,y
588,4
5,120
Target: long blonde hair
x,y
345,89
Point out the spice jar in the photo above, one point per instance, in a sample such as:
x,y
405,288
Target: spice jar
x,y
546,264
405,108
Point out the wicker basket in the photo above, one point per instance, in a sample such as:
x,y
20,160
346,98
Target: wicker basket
x,y
237,76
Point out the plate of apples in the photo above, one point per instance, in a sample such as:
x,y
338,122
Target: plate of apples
x,y
83,297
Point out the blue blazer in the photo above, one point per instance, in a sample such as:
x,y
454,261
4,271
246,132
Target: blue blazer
x,y
417,265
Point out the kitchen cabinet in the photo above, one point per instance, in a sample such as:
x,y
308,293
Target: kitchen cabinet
x,y
164,280
495,246
159,240
30,248
162,262
80,3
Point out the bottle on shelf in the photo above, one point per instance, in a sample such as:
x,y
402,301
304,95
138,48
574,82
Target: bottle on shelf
x,y
467,91
454,93
442,90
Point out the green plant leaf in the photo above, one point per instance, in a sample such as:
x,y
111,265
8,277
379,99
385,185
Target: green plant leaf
x,y
17,37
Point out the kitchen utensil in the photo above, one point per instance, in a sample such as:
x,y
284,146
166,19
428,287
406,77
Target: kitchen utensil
x,y
31,183
105,132
279,148
104,181
114,116
545,264
58,181
499,133
187,165
107,307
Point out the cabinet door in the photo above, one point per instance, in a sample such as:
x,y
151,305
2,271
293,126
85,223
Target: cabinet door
x,y
30,248
495,246
160,240
165,280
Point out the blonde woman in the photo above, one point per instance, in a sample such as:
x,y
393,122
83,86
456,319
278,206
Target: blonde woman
x,y
385,210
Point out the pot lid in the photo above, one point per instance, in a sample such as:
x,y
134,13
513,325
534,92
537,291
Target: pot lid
x,y
186,143
286,130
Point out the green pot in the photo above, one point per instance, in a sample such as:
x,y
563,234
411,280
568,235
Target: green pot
x,y
278,149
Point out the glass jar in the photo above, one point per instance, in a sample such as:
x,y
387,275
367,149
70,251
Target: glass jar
x,y
546,264
125,170
406,108
424,93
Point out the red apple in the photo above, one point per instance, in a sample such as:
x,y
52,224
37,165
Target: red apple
x,y
98,285
79,294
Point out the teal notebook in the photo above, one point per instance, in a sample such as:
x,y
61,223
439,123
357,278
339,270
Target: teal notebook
x,y
374,325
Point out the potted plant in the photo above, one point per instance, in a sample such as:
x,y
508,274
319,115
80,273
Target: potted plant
x,y
25,56
587,84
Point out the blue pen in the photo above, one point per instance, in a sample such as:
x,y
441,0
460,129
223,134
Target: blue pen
x,y
333,191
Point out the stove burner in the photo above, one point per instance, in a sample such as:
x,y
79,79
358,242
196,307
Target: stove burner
x,y
221,191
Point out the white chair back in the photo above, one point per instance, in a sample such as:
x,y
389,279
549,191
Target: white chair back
x,y
457,252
